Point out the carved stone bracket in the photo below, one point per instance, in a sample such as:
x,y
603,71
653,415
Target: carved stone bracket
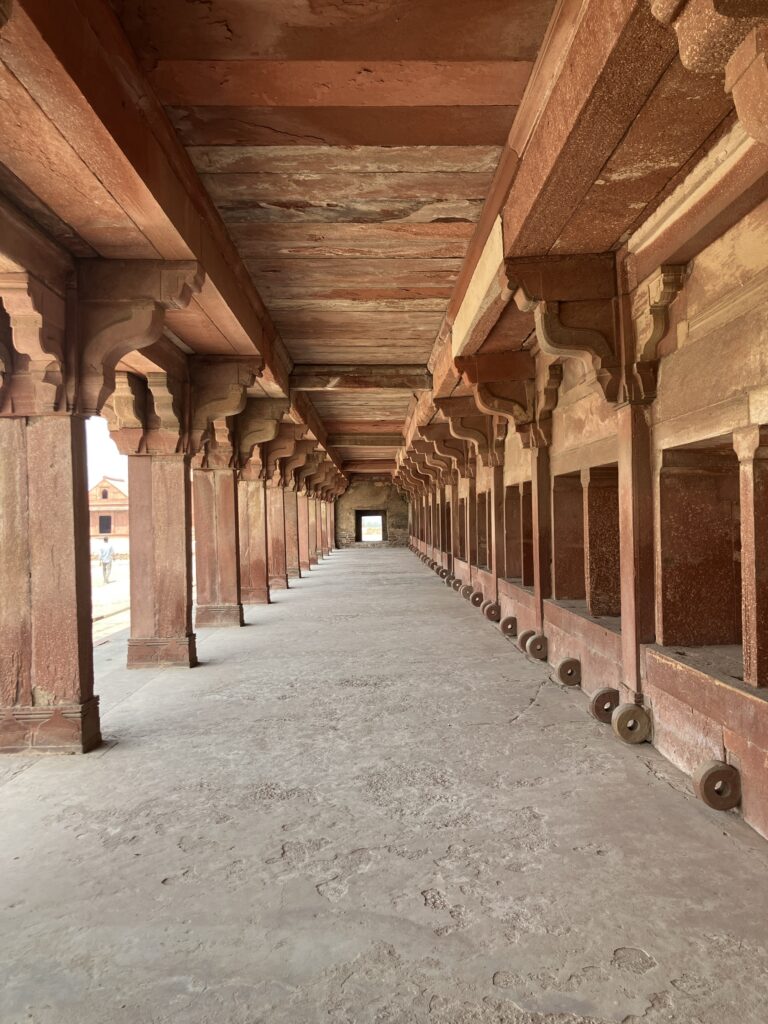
x,y
725,39
34,357
448,446
121,308
289,466
282,446
651,326
308,470
258,423
486,433
219,389
148,416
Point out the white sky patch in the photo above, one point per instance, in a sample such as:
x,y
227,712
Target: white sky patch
x,y
103,457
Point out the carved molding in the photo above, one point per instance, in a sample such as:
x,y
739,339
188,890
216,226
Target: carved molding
x,y
289,466
34,359
282,446
121,309
258,423
218,390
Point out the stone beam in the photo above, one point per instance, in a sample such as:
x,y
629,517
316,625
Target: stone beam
x,y
369,466
365,440
113,168
341,83
359,378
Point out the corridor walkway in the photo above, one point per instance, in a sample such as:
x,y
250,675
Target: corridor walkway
x,y
368,807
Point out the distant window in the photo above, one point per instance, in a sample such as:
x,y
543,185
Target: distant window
x,y
104,492
105,524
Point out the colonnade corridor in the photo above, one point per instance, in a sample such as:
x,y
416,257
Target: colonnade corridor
x,y
369,806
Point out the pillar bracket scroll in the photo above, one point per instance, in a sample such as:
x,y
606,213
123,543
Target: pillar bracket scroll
x,y
651,326
122,306
289,465
34,361
486,432
219,389
259,422
282,446
726,39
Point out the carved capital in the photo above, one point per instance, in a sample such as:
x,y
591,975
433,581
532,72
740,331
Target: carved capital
x,y
219,389
746,79
486,433
305,472
282,446
219,451
121,308
708,31
299,458
34,357
258,423
126,412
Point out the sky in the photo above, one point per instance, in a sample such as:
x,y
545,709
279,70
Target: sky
x,y
103,457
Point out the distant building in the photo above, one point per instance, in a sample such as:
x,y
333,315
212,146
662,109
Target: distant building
x,y
108,505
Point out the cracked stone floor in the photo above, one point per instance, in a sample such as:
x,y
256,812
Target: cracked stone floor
x,y
368,807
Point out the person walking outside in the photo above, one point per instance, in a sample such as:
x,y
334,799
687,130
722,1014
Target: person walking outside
x,y
106,554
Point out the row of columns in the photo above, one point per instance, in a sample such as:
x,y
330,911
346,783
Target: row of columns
x,y
229,482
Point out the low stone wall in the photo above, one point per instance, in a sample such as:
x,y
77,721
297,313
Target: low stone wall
x,y
373,495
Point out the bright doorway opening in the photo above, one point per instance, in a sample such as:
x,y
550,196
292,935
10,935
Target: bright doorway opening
x,y
370,527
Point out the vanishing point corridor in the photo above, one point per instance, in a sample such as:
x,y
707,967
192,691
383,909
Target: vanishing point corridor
x,y
368,806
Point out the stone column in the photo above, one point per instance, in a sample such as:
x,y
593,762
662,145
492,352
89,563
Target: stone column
x,y
567,538
600,486
160,518
46,661
472,524
512,534
252,516
302,503
526,533
293,567
496,539
324,527
312,529
277,562
319,528
542,545
751,444
636,540
217,547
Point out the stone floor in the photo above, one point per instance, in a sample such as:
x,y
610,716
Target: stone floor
x,y
368,807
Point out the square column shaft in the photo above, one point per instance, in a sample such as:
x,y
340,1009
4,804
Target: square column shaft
x,y
303,530
252,517
217,554
46,658
160,516
751,444
291,533
312,529
276,543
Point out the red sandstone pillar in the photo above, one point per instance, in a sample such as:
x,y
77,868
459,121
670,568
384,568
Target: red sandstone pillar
x,y
252,515
160,517
496,538
526,534
312,531
324,528
601,540
751,444
278,566
636,541
472,524
217,554
319,528
303,527
46,660
541,515
291,533
567,538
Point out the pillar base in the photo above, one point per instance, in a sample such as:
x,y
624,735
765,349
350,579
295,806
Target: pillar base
x,y
144,652
278,582
254,595
303,568
294,573
51,729
219,615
